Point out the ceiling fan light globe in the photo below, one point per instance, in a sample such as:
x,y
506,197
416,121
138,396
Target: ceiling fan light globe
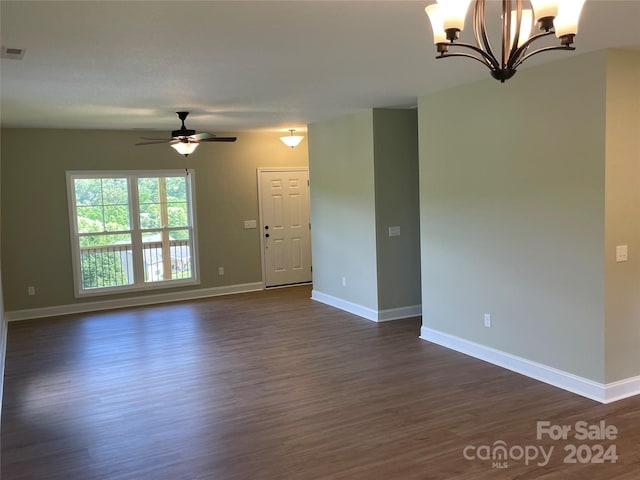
x,y
184,148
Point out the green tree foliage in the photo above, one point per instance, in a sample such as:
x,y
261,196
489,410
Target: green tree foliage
x,y
102,205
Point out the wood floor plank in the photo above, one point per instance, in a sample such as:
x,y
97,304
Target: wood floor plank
x,y
271,385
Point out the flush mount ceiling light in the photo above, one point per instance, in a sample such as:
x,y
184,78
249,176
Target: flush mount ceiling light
x,y
559,17
291,140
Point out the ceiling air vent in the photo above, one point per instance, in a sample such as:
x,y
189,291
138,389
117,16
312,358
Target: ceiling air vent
x,y
13,53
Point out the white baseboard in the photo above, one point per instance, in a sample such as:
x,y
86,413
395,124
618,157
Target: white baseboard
x,y
131,302
621,389
399,313
603,393
365,312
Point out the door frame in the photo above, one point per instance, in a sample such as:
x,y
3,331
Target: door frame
x,y
259,171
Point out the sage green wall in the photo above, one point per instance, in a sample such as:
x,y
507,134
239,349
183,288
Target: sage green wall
x,y
395,139
363,169
512,193
622,333
35,225
343,208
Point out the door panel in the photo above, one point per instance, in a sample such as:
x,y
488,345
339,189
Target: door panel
x,y
284,197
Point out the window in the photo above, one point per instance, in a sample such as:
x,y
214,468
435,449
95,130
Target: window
x,y
131,230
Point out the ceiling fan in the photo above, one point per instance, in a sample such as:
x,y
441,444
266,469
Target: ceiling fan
x,y
185,140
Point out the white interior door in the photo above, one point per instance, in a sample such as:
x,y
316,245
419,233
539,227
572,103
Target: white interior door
x,y
286,236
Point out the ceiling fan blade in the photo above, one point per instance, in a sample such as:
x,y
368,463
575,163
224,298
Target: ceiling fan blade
x,y
185,135
153,142
201,136
219,139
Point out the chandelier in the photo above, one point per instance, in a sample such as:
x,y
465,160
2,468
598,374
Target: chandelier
x,y
559,17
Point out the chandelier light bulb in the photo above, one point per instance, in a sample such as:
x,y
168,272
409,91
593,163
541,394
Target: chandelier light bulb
x,y
545,11
566,22
453,13
437,23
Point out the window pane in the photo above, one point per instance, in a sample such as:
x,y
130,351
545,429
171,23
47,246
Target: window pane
x,y
88,191
96,191
148,198
177,188
149,216
148,190
90,219
116,218
163,202
102,204
177,213
106,261
115,191
167,255
180,254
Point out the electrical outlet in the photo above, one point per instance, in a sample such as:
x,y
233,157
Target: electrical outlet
x,y
344,281
31,291
487,320
220,270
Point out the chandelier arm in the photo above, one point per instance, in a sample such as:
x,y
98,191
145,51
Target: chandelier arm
x,y
479,25
468,55
506,27
519,56
487,58
516,37
545,49
475,22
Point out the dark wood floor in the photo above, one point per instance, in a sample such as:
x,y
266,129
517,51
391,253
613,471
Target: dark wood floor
x,y
272,385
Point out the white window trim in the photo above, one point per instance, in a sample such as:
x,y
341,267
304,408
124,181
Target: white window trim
x,y
136,242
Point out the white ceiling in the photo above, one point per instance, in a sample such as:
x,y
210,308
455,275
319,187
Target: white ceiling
x,y
238,65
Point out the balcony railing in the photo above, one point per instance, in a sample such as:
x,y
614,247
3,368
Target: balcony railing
x,y
112,265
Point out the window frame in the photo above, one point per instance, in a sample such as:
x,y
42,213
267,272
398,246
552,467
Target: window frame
x,y
136,232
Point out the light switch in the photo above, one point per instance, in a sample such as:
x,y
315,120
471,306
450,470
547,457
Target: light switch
x,y
250,224
622,253
394,231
